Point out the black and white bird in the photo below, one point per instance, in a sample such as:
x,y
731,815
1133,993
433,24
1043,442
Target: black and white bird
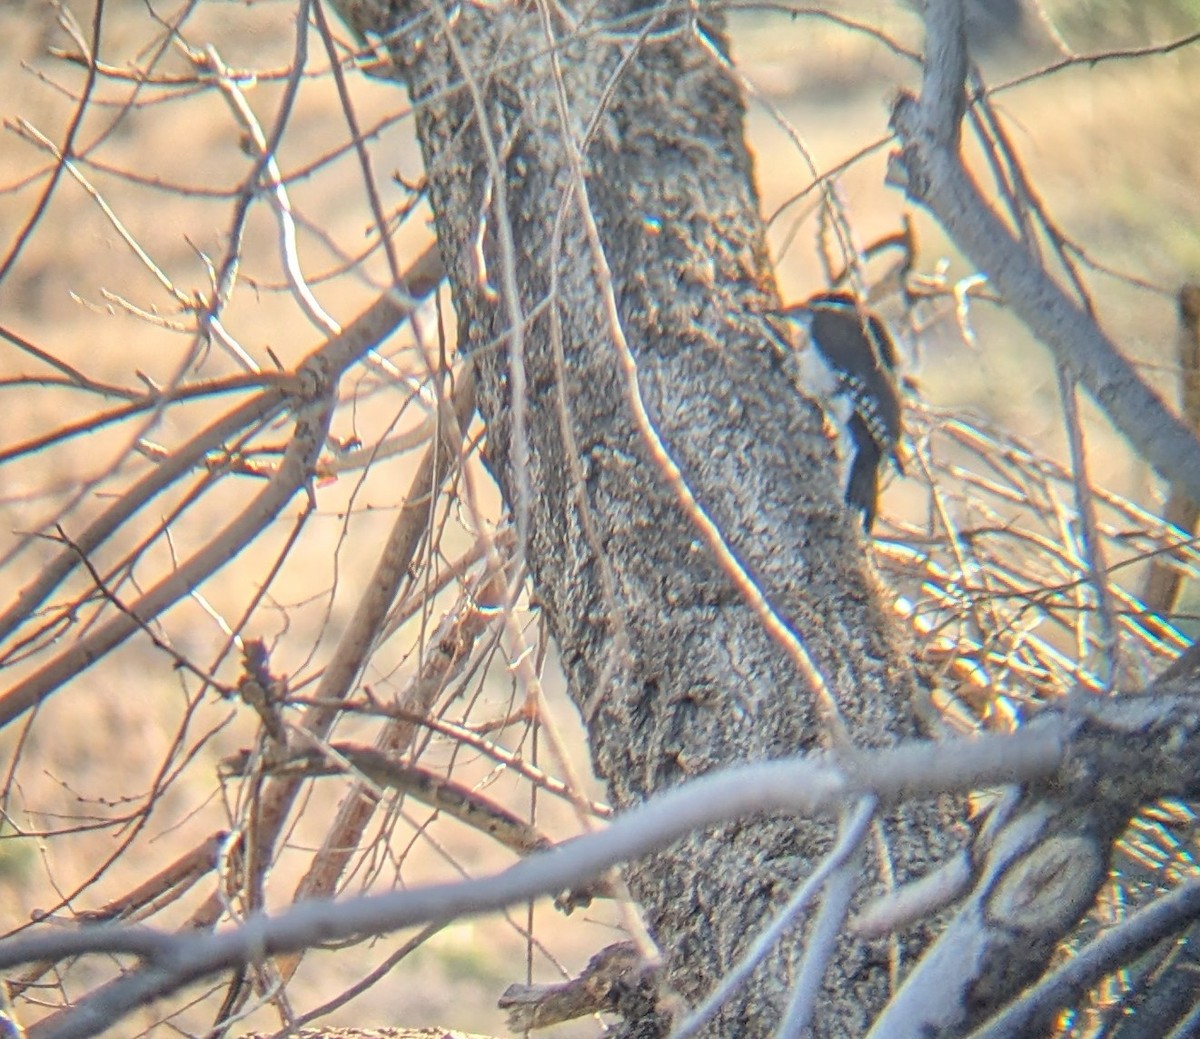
x,y
848,365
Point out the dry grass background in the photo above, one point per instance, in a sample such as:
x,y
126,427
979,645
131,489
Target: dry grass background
x,y
1111,148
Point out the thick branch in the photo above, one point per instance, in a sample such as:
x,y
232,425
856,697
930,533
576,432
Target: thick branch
x,y
931,168
1147,746
802,788
1041,858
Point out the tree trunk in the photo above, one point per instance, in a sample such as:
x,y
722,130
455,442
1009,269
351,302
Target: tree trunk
x,y
669,665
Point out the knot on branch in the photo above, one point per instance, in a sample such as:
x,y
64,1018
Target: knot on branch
x,y
1052,886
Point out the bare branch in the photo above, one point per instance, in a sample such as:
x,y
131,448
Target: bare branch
x,y
800,786
1120,946
311,392
931,169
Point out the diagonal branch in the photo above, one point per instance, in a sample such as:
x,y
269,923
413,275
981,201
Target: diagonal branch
x,y
930,166
815,786
311,392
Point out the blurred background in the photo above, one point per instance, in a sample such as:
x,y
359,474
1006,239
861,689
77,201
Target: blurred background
x,y
121,771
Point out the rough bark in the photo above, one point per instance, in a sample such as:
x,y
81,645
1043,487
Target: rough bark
x,y
671,670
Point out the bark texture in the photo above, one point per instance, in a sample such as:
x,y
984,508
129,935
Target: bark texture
x,y
672,672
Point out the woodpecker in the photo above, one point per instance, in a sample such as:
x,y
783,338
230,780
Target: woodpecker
x,y
849,367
